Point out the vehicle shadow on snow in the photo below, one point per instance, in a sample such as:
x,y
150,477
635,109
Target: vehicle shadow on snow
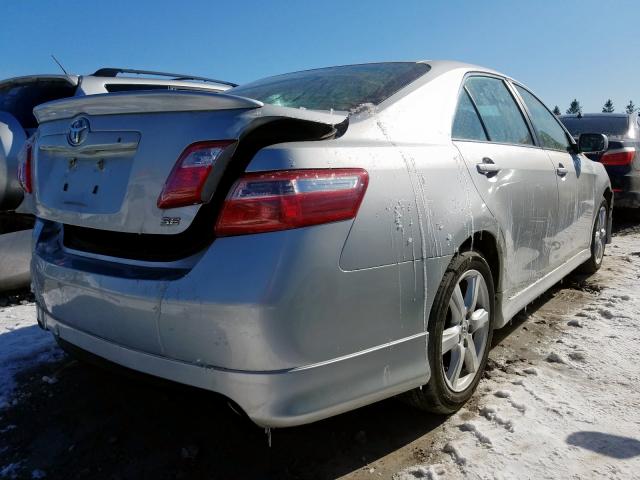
x,y
606,444
116,425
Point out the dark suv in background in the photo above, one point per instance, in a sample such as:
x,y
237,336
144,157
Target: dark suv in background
x,y
621,159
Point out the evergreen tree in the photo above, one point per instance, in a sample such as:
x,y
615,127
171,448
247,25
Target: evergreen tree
x,y
556,111
631,107
574,107
608,107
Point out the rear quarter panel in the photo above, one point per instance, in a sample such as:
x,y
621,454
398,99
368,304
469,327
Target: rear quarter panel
x,y
420,206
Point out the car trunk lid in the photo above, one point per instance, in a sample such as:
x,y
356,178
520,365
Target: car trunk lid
x,y
101,161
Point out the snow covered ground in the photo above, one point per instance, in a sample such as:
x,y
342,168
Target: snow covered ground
x,y
22,345
574,412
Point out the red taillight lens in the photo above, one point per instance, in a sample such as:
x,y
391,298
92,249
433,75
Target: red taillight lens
x,y
189,174
623,156
266,202
25,166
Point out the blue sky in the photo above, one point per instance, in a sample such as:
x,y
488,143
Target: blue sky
x,y
562,49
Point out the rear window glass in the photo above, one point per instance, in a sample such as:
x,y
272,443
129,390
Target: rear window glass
x,y
342,88
20,99
609,125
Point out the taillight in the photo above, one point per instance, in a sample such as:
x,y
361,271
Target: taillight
x,y
618,157
189,174
281,200
25,166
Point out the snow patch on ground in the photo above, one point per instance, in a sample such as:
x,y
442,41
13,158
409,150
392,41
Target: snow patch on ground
x,y
22,345
574,413
427,472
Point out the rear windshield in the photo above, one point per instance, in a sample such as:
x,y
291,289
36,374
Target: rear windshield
x,y
339,88
614,125
19,99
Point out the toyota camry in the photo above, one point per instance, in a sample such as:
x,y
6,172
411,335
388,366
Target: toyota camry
x,y
311,242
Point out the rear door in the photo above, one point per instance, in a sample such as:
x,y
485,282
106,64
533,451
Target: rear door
x,y
514,177
576,185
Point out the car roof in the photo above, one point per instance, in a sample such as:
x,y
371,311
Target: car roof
x,y
454,65
441,65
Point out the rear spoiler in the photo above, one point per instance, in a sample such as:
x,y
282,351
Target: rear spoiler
x,y
140,102
171,101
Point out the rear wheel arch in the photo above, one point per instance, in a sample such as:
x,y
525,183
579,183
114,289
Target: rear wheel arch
x,y
486,244
438,396
608,196
600,233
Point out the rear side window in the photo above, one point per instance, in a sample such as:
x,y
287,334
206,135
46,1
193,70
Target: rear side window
x,y
499,112
550,133
467,124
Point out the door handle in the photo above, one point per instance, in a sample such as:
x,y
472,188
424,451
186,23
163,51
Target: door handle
x,y
488,167
561,171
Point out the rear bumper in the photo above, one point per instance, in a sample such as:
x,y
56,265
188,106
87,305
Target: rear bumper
x,y
277,398
270,321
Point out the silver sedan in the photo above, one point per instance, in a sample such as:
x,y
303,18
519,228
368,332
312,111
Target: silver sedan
x,y
312,242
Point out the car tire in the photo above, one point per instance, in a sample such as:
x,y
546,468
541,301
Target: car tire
x,y
446,393
598,239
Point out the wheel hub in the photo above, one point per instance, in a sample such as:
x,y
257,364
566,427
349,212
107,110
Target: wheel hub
x,y
465,327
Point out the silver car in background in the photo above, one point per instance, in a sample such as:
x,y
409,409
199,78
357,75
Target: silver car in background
x,y
312,242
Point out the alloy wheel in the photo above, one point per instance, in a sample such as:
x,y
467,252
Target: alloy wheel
x,y
464,337
600,235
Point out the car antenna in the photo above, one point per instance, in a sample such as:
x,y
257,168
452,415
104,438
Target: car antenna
x,y
59,64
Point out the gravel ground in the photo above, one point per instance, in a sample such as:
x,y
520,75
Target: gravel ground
x,y
546,409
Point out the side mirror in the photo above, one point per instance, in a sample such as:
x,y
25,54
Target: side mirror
x,y
592,143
